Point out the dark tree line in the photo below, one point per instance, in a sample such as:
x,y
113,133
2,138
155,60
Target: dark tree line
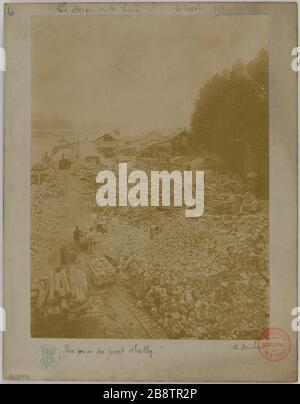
x,y
231,119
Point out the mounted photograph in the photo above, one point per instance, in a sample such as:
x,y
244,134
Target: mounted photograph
x,y
150,192
126,112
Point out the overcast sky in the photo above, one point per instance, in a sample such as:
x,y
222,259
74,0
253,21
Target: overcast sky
x,y
133,73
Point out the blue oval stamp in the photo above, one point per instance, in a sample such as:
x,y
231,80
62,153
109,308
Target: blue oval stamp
x,y
47,357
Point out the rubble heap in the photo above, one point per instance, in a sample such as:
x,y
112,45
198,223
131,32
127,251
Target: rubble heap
x,y
205,278
103,272
47,209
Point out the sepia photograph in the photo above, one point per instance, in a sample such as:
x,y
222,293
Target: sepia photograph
x,y
149,181
150,195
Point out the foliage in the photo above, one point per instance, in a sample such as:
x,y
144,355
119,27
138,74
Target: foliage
x,y
231,118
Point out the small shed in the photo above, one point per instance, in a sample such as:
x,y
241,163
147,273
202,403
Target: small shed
x,y
107,145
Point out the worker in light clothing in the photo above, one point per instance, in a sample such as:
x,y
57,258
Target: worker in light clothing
x,y
90,241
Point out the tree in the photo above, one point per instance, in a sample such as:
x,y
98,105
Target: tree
x,y
231,117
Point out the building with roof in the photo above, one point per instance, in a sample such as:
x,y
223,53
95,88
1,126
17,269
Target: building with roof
x,y
107,144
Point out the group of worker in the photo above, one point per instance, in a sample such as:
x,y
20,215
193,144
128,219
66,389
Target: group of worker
x,y
83,240
90,238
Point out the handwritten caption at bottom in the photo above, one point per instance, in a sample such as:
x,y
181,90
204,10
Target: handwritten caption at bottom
x,y
112,352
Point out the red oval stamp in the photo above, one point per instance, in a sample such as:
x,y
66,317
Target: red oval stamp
x,y
274,344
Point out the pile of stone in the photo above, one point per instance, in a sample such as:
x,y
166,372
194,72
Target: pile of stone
x,y
206,278
228,194
102,271
47,209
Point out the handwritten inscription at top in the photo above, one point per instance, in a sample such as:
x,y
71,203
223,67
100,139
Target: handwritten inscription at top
x,y
79,9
